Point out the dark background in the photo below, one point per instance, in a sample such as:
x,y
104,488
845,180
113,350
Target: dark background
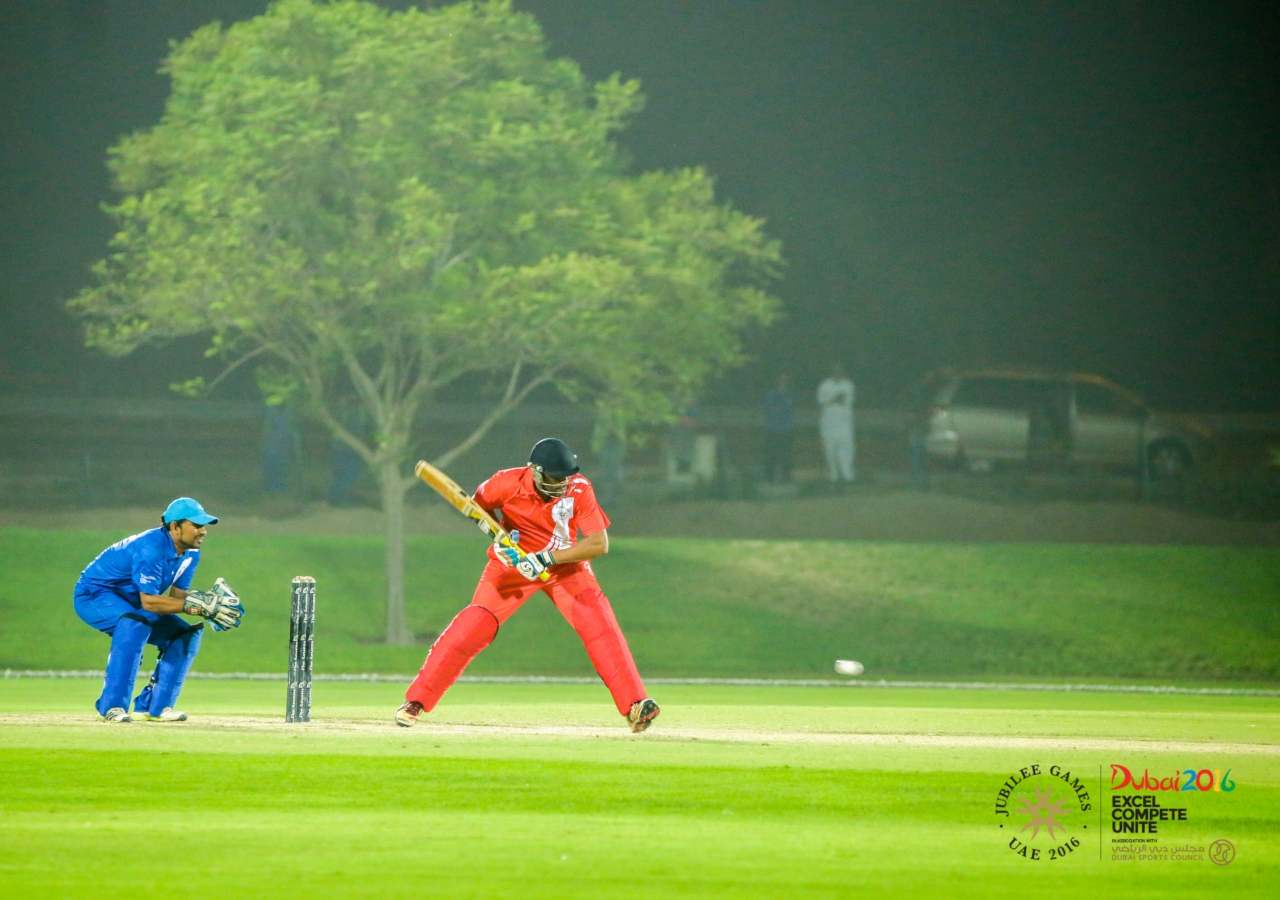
x,y
1072,185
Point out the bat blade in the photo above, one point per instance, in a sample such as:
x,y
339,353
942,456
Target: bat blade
x,y
463,502
446,487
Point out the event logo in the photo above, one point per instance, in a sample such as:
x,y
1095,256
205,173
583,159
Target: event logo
x,y
1196,780
1153,814
1039,808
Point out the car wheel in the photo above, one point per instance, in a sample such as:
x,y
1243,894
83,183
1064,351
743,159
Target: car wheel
x,y
1167,459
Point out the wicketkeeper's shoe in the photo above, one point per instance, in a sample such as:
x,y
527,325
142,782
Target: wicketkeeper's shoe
x,y
407,715
117,714
169,714
642,714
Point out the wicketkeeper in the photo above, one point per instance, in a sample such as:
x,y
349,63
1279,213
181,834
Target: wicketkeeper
x,y
133,592
547,504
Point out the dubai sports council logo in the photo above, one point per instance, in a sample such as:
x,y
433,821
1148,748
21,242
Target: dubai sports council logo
x,y
1037,808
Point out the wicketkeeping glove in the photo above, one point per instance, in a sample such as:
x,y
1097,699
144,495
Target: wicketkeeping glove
x,y
220,606
533,565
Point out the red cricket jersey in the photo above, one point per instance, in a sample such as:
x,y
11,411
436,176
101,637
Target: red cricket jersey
x,y
543,524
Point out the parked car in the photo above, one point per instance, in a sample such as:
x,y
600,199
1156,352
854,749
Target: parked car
x,y
987,418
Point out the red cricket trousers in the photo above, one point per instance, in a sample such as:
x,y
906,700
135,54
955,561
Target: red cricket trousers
x,y
500,593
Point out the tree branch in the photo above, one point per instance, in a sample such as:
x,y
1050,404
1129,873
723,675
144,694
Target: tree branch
x,y
364,385
237,364
509,402
341,433
313,378
513,380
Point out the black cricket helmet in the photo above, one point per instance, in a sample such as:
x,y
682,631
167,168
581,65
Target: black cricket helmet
x,y
552,458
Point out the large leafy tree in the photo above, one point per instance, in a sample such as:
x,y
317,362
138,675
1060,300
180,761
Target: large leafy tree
x,y
371,205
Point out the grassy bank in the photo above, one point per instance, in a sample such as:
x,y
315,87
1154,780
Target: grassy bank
x,y
724,608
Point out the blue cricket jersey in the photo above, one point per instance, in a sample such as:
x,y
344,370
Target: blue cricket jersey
x,y
144,563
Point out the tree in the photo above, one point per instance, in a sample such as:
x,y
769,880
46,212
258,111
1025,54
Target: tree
x,y
373,205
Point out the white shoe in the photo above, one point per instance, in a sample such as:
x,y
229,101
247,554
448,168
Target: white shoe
x,y
407,715
117,714
642,714
168,714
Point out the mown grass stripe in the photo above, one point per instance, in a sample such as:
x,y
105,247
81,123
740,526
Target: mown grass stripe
x,y
744,682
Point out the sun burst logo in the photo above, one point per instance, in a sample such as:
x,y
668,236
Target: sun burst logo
x,y
1044,813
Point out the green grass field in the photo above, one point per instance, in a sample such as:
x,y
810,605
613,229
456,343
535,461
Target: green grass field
x,y
724,608
538,791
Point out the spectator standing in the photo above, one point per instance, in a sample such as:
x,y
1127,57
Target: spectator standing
x,y
610,447
918,436
683,435
835,424
779,431
346,465
279,447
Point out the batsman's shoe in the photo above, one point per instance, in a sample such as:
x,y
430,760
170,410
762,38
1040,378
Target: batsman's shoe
x,y
117,714
169,714
407,715
642,714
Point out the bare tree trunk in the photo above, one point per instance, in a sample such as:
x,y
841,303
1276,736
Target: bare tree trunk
x,y
393,487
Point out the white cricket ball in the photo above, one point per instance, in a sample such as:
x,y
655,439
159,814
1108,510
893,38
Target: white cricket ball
x,y
848,667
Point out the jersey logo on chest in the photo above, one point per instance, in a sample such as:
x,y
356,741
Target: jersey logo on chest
x,y
561,513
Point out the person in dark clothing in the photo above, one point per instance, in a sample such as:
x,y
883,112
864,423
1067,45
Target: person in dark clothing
x,y
779,428
279,448
346,465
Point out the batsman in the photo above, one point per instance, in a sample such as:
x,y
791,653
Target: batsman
x,y
544,506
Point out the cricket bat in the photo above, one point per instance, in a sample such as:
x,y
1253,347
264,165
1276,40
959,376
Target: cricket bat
x,y
464,503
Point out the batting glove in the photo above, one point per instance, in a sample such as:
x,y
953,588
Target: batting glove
x,y
220,606
533,565
508,554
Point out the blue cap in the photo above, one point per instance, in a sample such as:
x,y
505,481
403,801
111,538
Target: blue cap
x,y
186,508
